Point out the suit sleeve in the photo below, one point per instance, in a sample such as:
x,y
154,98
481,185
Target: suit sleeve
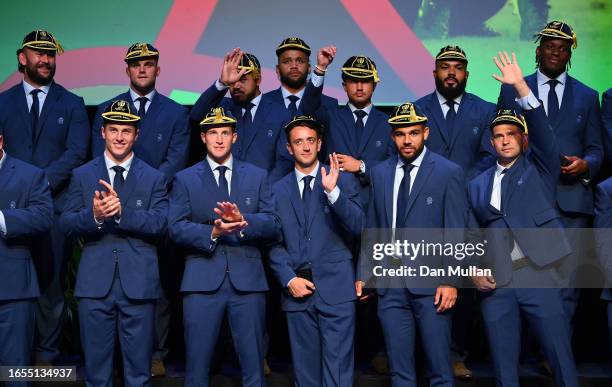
x,y
149,222
97,142
348,208
264,225
365,263
78,219
279,263
543,144
210,98
37,216
593,146
312,104
283,164
77,143
181,228
506,99
178,149
606,118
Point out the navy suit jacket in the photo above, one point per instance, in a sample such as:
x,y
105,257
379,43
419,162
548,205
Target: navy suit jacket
x,y
129,244
375,146
193,197
324,243
527,203
606,120
265,145
25,202
470,142
62,135
603,222
276,95
578,133
163,138
437,201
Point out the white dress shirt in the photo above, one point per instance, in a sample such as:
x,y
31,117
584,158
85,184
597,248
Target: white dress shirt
x,y
445,108
110,164
134,96
287,94
399,175
544,88
229,163
331,196
27,88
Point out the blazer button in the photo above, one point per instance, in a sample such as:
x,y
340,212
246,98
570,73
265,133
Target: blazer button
x,y
114,251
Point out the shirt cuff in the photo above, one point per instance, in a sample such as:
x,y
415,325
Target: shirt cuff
x,y
529,102
316,79
333,195
99,223
2,225
220,86
290,281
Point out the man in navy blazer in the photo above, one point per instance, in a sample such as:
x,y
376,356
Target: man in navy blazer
x,y
514,202
603,222
418,189
574,113
357,132
47,126
26,209
260,121
163,143
606,120
462,134
292,70
321,217
222,213
118,205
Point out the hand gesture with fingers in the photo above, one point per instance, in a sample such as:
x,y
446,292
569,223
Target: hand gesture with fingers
x,y
229,212
511,73
230,73
325,56
329,180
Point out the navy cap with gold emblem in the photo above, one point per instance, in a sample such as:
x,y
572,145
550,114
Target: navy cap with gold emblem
x,y
140,51
406,114
217,117
558,30
251,64
120,111
509,116
360,67
41,40
452,53
303,120
293,44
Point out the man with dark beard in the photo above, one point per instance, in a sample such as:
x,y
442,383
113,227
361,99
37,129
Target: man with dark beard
x,y
292,69
459,131
46,125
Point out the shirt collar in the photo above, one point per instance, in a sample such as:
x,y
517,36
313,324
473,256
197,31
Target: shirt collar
x,y
28,88
542,79
229,163
255,101
134,96
499,168
300,175
416,162
110,163
286,93
366,109
3,158
442,100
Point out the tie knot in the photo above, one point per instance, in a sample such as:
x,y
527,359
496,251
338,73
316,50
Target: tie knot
x,y
142,99
293,98
553,83
118,169
360,113
450,103
35,92
407,168
221,169
307,179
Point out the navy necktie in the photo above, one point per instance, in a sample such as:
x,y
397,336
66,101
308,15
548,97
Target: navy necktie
x,y
141,108
359,125
247,119
223,186
306,195
34,113
293,105
402,196
118,180
553,101
503,189
450,116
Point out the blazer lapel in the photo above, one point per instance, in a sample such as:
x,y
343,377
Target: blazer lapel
x,y
293,191
237,175
464,108
50,101
6,172
368,130
532,81
133,177
489,191
567,103
419,181
509,183
389,179
349,136
22,107
438,117
257,126
314,207
155,108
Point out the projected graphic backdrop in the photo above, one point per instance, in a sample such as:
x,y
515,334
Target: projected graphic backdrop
x,y
402,36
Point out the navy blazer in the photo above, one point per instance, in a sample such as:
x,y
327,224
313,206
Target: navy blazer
x,y
606,120
129,244
603,222
62,135
25,202
578,133
265,147
163,138
470,142
375,146
193,197
325,243
276,95
528,203
437,201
